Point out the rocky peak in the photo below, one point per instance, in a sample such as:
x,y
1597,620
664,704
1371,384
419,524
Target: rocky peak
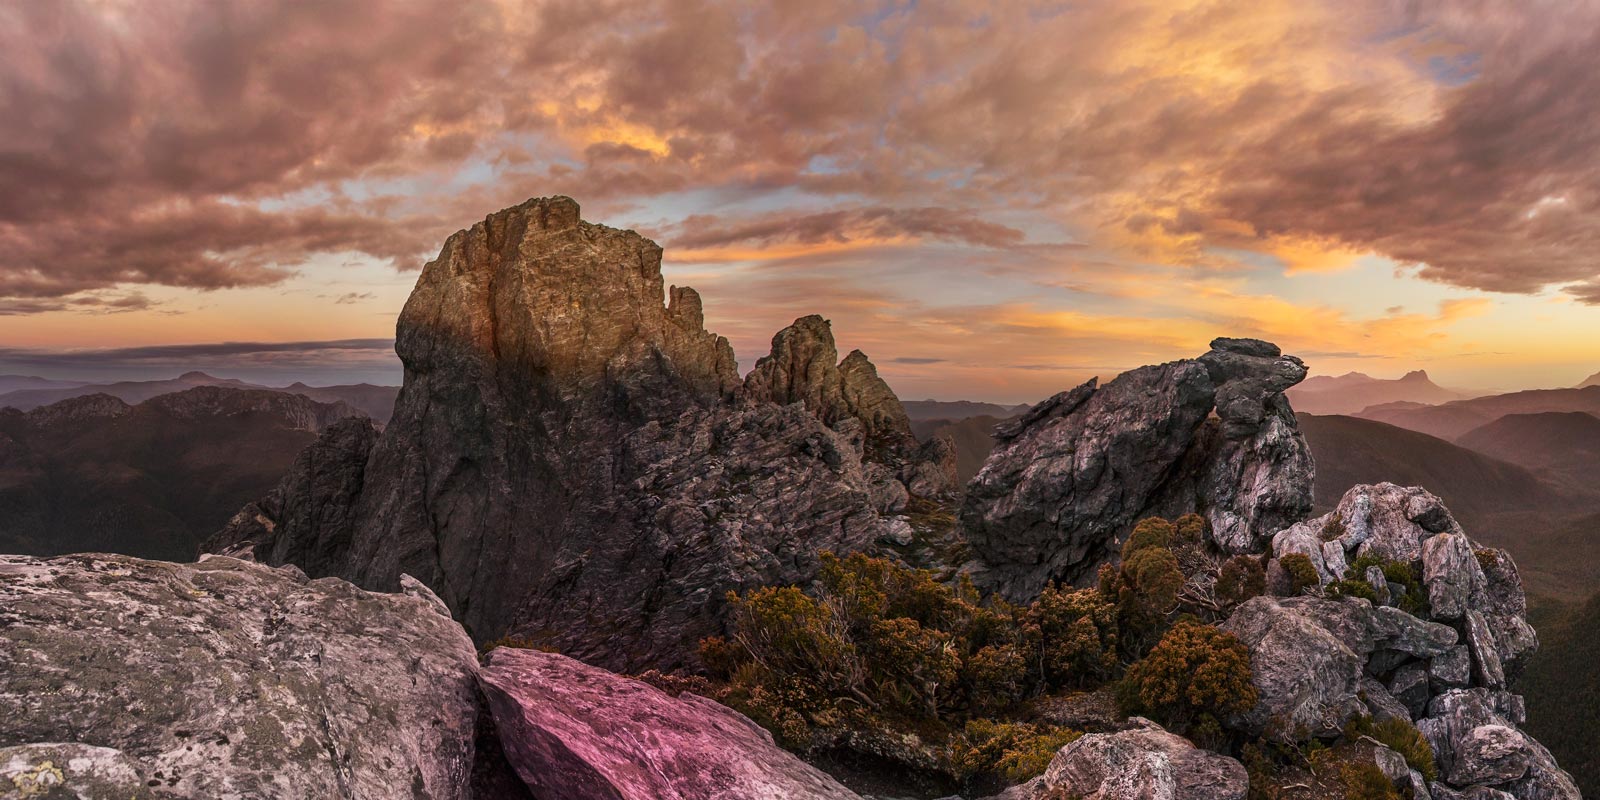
x,y
295,411
89,406
567,446
1069,478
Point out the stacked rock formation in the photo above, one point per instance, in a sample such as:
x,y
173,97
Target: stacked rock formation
x,y
1069,478
572,462
1318,662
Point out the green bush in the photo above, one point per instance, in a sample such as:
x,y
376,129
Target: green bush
x,y
1195,670
1016,751
1400,736
1364,781
1414,601
1333,528
1241,578
1191,529
1351,587
1150,532
1302,573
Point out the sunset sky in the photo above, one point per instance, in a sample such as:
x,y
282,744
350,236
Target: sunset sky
x,y
993,200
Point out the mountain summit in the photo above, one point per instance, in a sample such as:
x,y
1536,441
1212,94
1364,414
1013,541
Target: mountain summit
x,y
566,446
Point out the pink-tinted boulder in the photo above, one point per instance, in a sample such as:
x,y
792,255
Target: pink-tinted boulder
x,y
581,733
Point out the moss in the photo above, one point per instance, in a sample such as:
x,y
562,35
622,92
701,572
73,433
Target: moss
x,y
1333,528
1400,736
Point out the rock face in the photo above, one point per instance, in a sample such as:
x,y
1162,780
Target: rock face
x,y
229,679
1144,763
1071,476
581,733
573,462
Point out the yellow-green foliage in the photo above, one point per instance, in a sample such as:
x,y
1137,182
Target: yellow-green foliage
x,y
1333,528
1400,736
1302,573
1150,532
1147,591
1241,578
1191,528
1196,670
1414,601
1076,634
1016,751
1364,781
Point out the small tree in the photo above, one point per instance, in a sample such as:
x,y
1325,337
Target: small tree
x,y
1195,670
1242,578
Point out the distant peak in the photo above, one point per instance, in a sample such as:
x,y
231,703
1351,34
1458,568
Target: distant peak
x,y
1416,375
195,375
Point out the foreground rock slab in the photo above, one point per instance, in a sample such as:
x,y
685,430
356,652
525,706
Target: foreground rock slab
x,y
230,679
580,733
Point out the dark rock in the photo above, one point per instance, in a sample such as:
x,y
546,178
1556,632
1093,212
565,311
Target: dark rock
x,y
1410,686
1451,669
571,462
230,679
577,732
1380,704
1070,477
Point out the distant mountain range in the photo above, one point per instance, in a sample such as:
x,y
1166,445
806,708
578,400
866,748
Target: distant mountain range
x,y
96,474
959,409
1454,419
1354,391
26,392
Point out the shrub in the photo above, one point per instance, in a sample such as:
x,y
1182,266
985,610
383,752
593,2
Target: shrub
x,y
1241,578
1016,751
1352,587
1364,781
1150,532
1147,591
1400,736
1302,573
1414,601
1195,670
1077,636
1191,528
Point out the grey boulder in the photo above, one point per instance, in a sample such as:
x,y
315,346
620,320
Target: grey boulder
x,y
1143,763
231,679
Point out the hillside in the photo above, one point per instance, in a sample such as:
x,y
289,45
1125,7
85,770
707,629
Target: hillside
x,y
974,438
1562,687
1452,420
376,402
15,383
1563,444
95,474
1354,391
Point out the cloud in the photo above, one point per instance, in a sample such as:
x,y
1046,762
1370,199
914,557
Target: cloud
x,y
351,298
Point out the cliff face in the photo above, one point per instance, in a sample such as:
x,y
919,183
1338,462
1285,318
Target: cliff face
x,y
1071,476
573,462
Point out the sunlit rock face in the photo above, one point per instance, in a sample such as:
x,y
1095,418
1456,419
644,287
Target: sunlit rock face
x,y
574,461
1070,477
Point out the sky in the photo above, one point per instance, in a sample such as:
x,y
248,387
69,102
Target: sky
x,y
993,200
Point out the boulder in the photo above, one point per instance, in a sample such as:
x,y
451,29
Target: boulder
x,y
1451,575
1410,686
1451,669
1308,678
230,679
577,732
1486,665
1475,742
1070,477
1143,763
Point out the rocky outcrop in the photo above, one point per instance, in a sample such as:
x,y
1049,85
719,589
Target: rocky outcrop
x,y
229,679
572,462
1444,664
1144,763
581,733
1071,476
801,369
295,411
